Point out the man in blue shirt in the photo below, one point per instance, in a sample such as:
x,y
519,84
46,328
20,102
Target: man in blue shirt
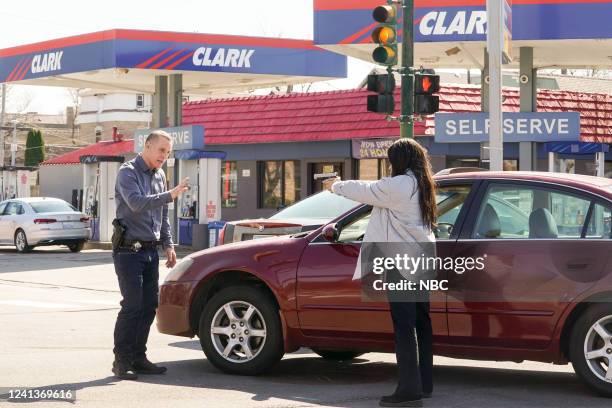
x,y
142,208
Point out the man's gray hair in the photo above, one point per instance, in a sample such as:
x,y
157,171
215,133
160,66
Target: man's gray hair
x,y
156,134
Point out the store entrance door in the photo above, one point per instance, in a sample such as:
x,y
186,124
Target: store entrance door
x,y
316,168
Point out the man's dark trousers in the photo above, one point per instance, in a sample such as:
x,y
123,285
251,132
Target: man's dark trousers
x,y
413,337
138,274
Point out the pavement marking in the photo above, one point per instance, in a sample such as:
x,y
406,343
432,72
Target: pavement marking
x,y
60,286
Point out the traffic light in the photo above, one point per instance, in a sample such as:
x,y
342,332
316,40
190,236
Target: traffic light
x,y
424,86
385,35
383,85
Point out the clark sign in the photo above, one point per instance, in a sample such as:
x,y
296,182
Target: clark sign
x,y
517,127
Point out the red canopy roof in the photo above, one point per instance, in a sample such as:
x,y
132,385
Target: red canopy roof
x,y
106,148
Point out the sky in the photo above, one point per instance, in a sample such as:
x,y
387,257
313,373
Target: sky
x,y
24,22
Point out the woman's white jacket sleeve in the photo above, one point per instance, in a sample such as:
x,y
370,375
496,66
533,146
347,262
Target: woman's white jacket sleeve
x,y
377,193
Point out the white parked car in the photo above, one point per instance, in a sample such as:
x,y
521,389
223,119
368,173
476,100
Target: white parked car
x,y
35,221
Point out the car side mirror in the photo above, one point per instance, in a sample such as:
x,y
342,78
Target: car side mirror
x,y
330,233
443,230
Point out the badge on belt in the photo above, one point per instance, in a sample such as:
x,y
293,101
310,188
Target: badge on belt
x,y
136,246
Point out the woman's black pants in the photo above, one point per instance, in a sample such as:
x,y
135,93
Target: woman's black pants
x,y
413,347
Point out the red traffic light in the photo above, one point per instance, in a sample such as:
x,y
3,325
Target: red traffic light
x,y
426,84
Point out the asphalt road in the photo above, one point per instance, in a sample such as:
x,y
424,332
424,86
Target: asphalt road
x,y
57,312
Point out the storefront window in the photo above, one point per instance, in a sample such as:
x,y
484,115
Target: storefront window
x,y
374,169
368,169
292,182
510,165
279,183
229,184
319,168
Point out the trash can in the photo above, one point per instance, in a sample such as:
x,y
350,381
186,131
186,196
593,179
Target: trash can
x,y
214,229
186,230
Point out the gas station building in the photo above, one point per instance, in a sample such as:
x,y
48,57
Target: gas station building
x,y
251,156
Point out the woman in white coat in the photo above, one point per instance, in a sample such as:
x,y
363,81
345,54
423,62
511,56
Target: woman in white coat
x,y
404,210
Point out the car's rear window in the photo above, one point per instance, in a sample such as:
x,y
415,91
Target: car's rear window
x,y
51,206
324,206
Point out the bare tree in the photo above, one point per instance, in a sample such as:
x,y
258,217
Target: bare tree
x,y
73,94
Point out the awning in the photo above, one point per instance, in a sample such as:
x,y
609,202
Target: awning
x,y
576,148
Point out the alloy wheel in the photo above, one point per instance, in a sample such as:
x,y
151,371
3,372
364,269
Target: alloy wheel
x,y
20,241
598,349
238,331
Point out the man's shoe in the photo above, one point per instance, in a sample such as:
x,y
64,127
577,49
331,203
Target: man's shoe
x,y
395,401
144,366
124,370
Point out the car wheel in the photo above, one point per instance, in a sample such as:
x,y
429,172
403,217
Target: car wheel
x,y
76,247
337,355
21,242
240,331
591,348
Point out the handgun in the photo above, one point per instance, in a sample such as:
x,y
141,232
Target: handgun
x,y
323,176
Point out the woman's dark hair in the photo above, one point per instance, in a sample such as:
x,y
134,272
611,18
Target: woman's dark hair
x,y
407,154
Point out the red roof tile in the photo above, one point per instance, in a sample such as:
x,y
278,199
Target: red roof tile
x,y
107,148
341,115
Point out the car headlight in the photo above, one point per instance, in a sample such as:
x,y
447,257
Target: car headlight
x,y
179,269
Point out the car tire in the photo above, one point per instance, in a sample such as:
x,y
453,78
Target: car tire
x,y
338,355
76,247
21,242
590,348
261,331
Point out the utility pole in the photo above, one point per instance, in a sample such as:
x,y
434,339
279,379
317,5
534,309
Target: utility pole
x,y
407,72
494,46
14,144
2,110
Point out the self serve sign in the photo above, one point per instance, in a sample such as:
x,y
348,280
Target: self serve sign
x,y
517,127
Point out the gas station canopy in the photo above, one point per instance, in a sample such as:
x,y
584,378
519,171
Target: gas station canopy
x,y
130,59
452,33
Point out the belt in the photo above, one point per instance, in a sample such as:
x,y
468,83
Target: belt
x,y
137,245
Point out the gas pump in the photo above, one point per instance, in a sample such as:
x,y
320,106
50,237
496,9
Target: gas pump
x,y
201,204
15,182
99,175
188,212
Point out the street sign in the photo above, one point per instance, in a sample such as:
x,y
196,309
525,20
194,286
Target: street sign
x,y
517,127
185,137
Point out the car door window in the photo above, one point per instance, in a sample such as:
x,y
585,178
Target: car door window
x,y
600,224
449,200
570,214
513,212
11,209
20,209
2,207
355,230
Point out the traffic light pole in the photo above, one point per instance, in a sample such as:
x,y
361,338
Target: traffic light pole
x,y
407,72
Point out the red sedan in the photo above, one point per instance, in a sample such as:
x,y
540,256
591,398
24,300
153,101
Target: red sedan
x,y
545,293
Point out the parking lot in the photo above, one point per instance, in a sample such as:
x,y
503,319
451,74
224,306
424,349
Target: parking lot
x,y
57,313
